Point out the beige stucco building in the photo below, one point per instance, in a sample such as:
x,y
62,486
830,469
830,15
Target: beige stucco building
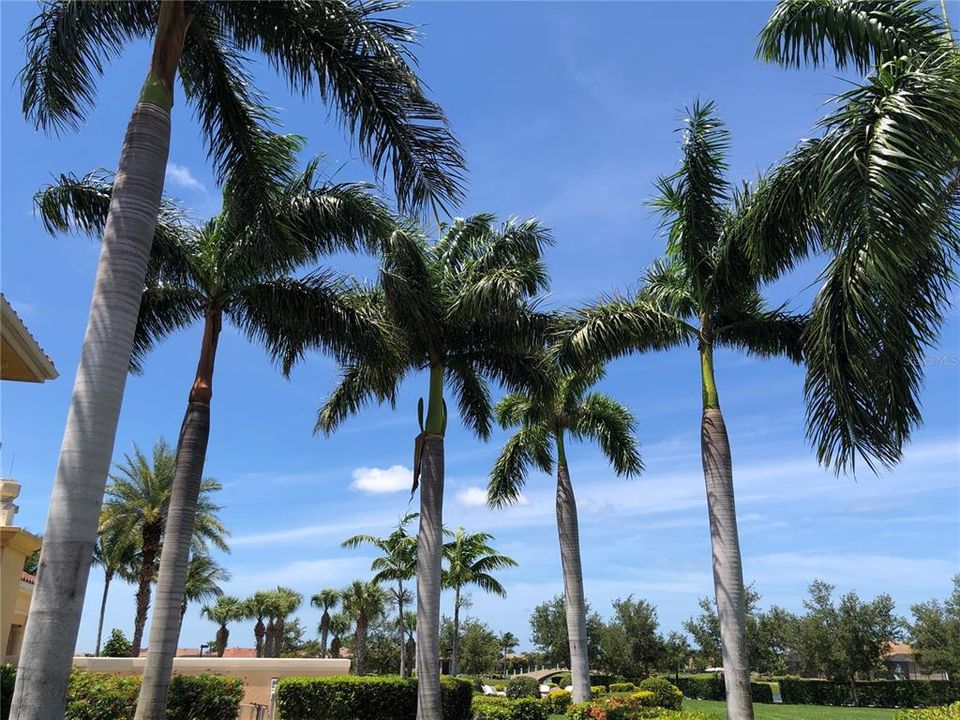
x,y
21,360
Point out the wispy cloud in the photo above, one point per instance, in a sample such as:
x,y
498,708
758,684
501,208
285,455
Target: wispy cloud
x,y
376,481
181,176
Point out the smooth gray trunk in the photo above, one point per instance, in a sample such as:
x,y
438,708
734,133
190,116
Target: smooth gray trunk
x,y
574,603
174,561
727,569
429,556
108,576
455,651
71,528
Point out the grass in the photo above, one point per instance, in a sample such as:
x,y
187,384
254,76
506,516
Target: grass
x,y
795,712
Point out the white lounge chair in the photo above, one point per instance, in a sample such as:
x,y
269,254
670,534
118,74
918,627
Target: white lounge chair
x,y
491,690
545,690
569,688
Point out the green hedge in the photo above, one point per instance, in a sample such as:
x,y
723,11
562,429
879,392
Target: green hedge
x,y
366,698
665,693
713,689
101,696
947,712
875,693
523,686
501,708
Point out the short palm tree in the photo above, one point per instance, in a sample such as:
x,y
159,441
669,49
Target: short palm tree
x,y
470,561
282,604
340,624
397,563
225,610
235,267
138,505
508,642
325,600
462,309
116,553
878,193
560,408
704,292
257,607
365,602
204,576
354,55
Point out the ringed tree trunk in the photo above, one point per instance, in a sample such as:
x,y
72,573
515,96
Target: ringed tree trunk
x,y
410,652
725,544
455,652
403,660
324,633
71,528
152,541
223,637
360,649
575,605
429,555
108,576
175,556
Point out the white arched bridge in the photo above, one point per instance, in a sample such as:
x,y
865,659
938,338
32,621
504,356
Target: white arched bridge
x,y
541,674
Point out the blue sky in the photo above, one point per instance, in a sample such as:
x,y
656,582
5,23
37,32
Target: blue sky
x,y
567,112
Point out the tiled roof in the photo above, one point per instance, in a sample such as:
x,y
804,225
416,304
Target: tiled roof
x,y
27,577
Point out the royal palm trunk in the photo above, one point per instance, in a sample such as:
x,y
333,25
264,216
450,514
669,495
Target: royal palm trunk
x,y
152,535
71,528
573,598
108,576
403,659
178,537
455,651
725,544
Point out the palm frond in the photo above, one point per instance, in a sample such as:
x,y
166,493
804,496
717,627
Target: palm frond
x,y
529,446
359,385
667,285
164,308
761,332
614,428
473,396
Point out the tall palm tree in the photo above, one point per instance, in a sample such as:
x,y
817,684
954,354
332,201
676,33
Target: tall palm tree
x,y
508,642
878,193
340,624
325,600
204,576
560,408
236,267
257,607
116,553
283,603
138,505
398,563
470,561
353,54
365,602
460,308
226,609
703,292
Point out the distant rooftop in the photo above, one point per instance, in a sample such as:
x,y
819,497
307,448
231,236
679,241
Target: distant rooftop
x,y
21,357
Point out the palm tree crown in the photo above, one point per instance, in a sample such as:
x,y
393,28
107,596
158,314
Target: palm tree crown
x,y
471,560
204,575
225,610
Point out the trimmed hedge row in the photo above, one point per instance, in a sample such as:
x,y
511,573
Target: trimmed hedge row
x,y
366,698
101,696
948,712
501,708
714,689
873,693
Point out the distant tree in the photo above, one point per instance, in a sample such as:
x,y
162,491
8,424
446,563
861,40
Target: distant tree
x,y
676,653
116,553
294,645
479,645
629,644
204,576
548,631
508,643
846,641
366,603
116,645
257,608
281,603
773,637
225,610
325,600
935,633
705,628
340,624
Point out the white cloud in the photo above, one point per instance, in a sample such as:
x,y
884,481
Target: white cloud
x,y
475,496
181,176
376,481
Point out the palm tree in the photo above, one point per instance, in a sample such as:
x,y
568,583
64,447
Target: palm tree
x,y
236,267
325,600
398,563
365,602
508,642
340,624
878,193
116,553
470,561
460,308
257,607
226,609
704,292
351,53
562,407
138,504
283,602
204,576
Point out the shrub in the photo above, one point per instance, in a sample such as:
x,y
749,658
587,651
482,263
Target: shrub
x,y
215,697
491,708
947,712
712,688
875,693
366,698
622,687
558,701
666,694
761,692
116,645
623,708
523,686
644,698
565,680
598,689
8,676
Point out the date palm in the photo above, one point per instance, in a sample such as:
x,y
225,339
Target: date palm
x,y
704,292
138,506
560,408
325,600
462,309
225,610
364,602
204,576
354,55
397,563
236,267
878,194
470,561
115,552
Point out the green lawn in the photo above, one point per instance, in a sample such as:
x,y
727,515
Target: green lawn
x,y
795,712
